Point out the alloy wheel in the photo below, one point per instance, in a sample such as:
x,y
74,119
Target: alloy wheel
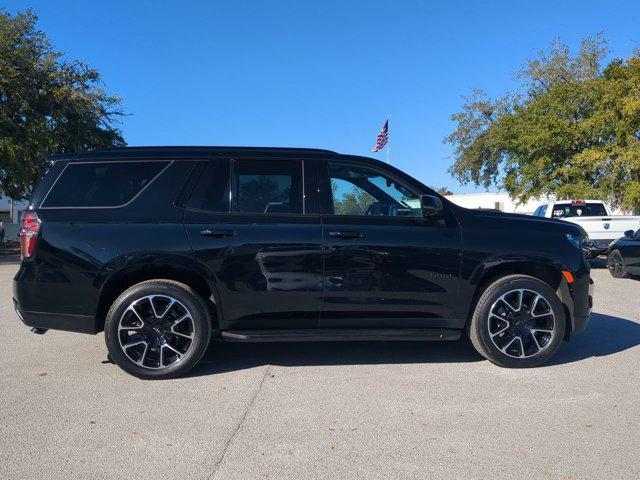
x,y
156,331
521,323
615,264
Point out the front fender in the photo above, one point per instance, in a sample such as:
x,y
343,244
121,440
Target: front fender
x,y
513,261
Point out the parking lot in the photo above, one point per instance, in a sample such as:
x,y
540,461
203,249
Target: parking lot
x,y
345,410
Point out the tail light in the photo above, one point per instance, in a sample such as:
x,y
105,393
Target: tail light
x,y
29,234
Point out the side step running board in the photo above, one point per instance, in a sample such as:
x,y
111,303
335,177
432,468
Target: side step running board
x,y
343,335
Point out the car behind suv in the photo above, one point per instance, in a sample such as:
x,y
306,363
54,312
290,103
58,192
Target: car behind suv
x,y
165,248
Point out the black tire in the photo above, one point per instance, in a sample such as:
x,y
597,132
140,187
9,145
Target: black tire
x,y
615,264
190,335
537,347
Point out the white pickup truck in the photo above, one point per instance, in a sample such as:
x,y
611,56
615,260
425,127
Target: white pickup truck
x,y
594,217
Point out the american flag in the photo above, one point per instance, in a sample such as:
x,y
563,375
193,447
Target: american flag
x,y
382,137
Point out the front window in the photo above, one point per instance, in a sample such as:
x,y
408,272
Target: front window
x,y
587,209
361,190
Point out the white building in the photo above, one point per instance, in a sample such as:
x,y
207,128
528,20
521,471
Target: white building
x,y
11,212
497,200
501,201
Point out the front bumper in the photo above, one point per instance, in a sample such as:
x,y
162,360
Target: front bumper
x,y
599,247
578,298
596,252
579,324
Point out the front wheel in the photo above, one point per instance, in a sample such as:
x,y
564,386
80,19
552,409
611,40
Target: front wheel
x,y
616,265
518,322
157,329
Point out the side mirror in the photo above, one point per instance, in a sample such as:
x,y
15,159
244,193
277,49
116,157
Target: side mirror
x,y
629,233
430,205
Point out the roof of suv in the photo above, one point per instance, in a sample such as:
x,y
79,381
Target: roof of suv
x,y
133,152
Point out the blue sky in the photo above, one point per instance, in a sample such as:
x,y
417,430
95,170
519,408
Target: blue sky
x,y
317,73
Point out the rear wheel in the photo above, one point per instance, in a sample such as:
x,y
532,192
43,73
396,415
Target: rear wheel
x,y
616,265
518,322
157,329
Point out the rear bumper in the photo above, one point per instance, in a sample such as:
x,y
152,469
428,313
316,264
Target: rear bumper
x,y
57,321
32,296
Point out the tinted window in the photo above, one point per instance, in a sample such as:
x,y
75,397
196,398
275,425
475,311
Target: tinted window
x,y
50,176
581,210
212,191
101,184
361,190
267,186
349,199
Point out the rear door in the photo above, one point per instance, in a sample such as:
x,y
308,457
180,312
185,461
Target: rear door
x,y
255,224
385,265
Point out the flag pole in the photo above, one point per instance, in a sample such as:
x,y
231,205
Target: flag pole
x,y
388,138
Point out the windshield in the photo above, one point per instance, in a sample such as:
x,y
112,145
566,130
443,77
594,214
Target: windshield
x,y
564,210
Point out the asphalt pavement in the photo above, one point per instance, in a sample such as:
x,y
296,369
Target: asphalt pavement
x,y
326,410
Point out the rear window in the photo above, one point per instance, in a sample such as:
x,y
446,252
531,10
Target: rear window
x,y
267,186
101,184
564,210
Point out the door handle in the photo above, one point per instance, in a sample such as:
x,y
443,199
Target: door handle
x,y
346,235
217,233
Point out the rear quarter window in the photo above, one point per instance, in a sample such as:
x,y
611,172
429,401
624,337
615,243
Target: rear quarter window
x,y
44,185
101,184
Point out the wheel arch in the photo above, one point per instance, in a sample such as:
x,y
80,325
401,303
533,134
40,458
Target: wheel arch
x,y
548,272
116,278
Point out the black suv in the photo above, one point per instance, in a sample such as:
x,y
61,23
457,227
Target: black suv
x,y
164,248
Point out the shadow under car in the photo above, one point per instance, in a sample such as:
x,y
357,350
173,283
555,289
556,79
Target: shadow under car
x,y
605,335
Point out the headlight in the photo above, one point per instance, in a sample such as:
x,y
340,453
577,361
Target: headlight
x,y
579,241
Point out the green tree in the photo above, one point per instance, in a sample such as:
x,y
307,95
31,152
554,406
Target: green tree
x,y
48,104
572,130
349,202
442,191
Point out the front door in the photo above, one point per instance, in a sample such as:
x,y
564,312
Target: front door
x,y
250,222
385,265
630,250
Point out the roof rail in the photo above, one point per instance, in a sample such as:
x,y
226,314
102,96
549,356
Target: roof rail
x,y
222,149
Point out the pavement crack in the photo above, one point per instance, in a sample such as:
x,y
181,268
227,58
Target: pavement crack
x,y
234,433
